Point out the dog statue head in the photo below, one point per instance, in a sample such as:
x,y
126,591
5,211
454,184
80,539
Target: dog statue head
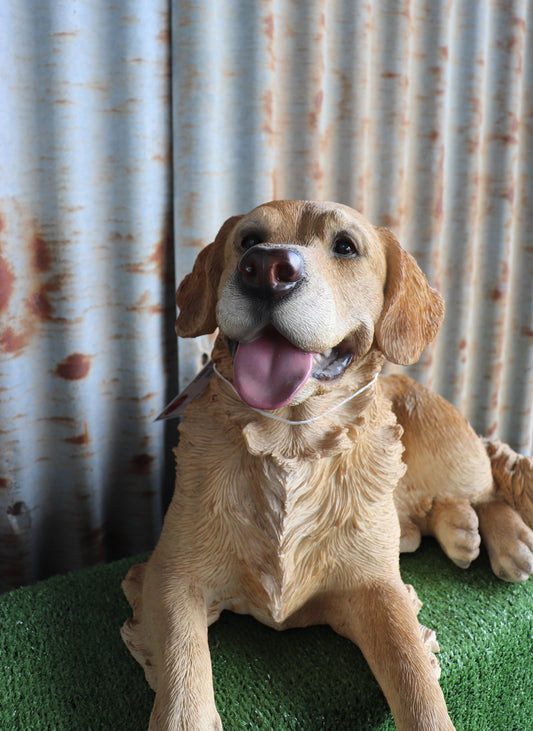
x,y
301,291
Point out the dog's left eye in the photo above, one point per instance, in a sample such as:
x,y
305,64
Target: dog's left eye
x,y
344,246
250,240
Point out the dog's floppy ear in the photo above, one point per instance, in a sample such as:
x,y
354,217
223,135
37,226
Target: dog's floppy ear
x,y
197,293
413,311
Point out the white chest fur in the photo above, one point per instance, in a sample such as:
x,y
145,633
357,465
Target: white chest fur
x,y
296,528
282,558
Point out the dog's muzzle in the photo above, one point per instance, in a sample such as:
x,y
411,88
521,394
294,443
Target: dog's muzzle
x,y
268,369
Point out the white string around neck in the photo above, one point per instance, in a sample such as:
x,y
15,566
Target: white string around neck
x,y
303,421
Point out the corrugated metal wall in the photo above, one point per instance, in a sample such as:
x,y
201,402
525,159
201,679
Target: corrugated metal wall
x,y
416,112
85,238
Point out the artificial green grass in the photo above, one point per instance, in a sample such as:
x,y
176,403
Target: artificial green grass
x,y
63,664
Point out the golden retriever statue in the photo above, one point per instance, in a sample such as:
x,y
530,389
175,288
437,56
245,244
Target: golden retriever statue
x,y
301,476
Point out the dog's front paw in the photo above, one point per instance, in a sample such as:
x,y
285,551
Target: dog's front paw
x,y
456,527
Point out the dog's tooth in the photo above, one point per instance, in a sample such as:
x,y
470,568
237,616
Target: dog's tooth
x,y
321,358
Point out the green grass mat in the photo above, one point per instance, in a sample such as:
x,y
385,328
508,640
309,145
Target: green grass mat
x,y
63,664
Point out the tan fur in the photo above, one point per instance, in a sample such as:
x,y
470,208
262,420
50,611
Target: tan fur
x,y
300,524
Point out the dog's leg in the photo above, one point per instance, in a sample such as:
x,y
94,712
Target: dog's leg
x,y
134,630
507,520
448,470
381,620
429,637
508,540
176,611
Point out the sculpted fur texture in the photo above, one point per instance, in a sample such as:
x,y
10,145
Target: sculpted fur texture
x,y
299,519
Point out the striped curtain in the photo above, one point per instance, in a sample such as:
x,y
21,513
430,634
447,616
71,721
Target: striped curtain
x,y
130,131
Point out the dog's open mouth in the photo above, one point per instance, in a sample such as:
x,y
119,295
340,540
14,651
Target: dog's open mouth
x,y
269,371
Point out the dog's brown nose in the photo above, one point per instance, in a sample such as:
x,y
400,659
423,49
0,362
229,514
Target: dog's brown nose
x,y
270,272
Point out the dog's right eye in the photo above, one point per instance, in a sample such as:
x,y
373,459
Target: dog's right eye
x,y
251,240
344,247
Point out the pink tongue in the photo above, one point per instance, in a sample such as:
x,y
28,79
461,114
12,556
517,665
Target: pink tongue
x,y
268,372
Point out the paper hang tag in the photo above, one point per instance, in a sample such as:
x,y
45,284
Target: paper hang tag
x,y
175,408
